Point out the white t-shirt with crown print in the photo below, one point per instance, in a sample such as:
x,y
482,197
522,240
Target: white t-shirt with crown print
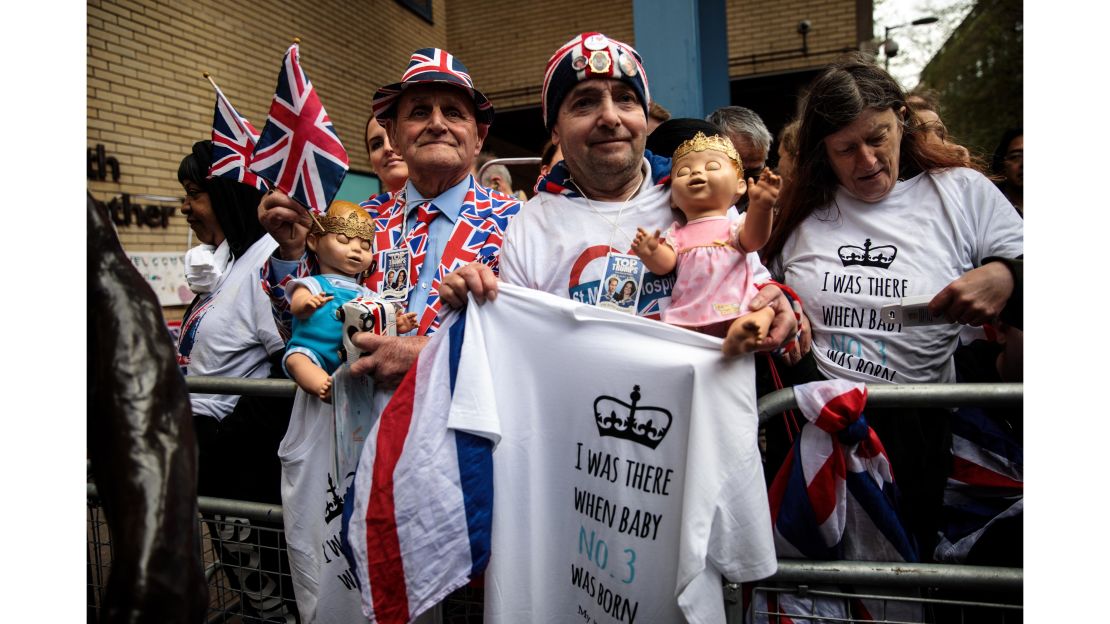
x,y
849,260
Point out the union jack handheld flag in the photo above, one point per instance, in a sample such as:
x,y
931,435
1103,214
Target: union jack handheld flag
x,y
299,151
233,139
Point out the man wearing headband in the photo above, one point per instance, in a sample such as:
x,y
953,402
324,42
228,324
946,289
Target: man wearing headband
x,y
441,220
595,103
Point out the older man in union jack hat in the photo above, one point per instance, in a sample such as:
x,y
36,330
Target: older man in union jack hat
x,y
442,219
595,102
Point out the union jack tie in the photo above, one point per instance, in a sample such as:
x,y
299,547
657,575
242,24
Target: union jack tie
x,y
417,239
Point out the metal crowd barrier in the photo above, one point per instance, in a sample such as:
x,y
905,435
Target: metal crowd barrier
x,y
935,592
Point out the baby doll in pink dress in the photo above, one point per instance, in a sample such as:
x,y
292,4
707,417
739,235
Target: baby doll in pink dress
x,y
713,281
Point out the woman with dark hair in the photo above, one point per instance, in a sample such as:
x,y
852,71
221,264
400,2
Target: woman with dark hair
x,y
879,213
229,330
1008,166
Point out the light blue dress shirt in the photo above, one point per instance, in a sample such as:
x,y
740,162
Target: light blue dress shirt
x,y
449,202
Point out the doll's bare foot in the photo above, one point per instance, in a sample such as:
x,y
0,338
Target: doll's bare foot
x,y
746,332
310,377
324,391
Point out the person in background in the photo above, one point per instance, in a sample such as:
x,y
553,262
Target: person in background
x,y
656,115
750,137
675,131
1008,164
788,150
888,213
498,178
549,156
925,105
385,162
228,331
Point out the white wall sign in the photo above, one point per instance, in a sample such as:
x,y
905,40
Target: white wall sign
x,y
165,272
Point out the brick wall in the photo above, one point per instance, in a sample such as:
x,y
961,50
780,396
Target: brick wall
x,y
509,67
770,34
148,101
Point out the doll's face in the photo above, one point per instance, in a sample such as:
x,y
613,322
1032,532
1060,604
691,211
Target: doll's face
x,y
705,183
341,254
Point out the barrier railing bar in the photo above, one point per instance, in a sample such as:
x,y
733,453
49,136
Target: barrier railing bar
x,y
261,512
508,162
237,385
911,395
965,577
910,599
789,570
907,395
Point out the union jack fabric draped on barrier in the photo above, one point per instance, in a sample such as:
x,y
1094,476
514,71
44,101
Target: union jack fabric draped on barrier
x,y
834,498
233,140
836,476
986,486
299,151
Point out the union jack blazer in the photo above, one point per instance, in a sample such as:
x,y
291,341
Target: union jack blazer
x,y
477,236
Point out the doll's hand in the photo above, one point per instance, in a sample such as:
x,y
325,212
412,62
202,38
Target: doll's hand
x,y
785,324
406,322
314,302
764,192
645,244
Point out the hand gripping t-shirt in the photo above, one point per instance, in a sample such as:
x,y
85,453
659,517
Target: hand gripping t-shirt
x,y
558,244
848,260
627,480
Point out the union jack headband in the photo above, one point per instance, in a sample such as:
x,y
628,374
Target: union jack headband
x,y
591,55
432,65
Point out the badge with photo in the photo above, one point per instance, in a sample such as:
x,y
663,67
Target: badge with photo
x,y
620,287
395,274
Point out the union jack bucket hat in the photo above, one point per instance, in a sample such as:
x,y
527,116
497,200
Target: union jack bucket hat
x,y
432,65
591,55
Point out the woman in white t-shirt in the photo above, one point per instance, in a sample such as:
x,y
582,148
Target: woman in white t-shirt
x,y
877,214
229,331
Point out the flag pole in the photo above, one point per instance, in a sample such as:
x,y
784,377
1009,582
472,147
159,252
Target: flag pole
x,y
297,41
209,77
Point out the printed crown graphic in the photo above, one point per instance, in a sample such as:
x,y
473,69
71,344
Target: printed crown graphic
x,y
867,256
629,421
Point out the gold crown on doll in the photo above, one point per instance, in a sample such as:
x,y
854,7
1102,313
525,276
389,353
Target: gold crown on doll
x,y
700,143
349,219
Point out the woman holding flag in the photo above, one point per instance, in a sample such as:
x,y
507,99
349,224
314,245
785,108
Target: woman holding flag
x,y
229,331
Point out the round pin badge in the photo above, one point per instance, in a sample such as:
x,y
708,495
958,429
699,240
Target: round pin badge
x,y
579,63
596,42
627,65
600,62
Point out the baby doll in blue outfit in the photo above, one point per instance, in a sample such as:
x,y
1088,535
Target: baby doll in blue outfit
x,y
344,249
